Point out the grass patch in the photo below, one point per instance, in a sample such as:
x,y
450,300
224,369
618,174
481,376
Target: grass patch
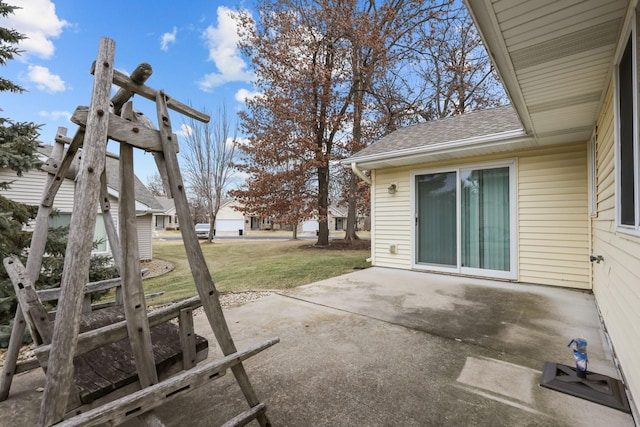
x,y
252,265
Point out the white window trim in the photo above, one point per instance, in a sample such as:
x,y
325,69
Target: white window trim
x,y
630,30
513,225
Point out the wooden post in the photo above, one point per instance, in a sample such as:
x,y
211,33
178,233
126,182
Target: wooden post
x,y
76,263
135,307
199,270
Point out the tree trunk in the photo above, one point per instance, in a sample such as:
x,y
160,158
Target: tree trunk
x,y
323,206
352,214
295,232
352,194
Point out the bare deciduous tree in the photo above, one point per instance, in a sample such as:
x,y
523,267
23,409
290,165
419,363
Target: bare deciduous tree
x,y
208,156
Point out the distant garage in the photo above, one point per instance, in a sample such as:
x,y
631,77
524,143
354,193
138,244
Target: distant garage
x,y
234,225
310,226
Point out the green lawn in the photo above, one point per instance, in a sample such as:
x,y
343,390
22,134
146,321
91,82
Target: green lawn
x,y
252,265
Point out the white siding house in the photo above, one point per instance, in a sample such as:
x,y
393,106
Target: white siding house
x,y
545,190
29,187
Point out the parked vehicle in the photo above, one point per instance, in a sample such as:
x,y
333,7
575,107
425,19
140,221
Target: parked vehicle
x,y
202,230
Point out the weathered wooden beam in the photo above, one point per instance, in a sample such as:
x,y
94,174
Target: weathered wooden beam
x,y
59,383
125,82
187,338
247,416
140,75
133,405
199,269
35,313
123,130
93,339
134,304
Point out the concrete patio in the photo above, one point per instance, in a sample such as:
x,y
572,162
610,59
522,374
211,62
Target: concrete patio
x,y
381,347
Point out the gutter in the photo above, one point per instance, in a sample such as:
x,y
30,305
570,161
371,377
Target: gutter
x,y
359,173
495,139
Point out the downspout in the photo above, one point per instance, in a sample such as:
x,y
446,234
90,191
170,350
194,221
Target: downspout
x,y
365,178
359,173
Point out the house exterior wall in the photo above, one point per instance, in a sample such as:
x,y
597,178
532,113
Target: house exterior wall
x,y
28,189
144,224
552,215
616,281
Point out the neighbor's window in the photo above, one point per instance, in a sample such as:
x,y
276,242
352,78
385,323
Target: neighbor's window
x,y
99,234
627,171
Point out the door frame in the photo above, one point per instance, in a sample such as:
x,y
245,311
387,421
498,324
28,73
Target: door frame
x,y
512,274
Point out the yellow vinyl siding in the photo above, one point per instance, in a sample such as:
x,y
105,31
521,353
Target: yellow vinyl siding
x,y
553,217
616,281
392,219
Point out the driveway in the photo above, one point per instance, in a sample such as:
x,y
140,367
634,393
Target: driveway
x,y
382,347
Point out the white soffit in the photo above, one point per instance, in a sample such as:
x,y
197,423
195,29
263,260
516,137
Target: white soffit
x,y
554,57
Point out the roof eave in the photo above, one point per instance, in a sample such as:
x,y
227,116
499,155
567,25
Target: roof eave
x,y
493,41
488,144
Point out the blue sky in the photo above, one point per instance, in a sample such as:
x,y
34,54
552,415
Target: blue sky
x,y
190,45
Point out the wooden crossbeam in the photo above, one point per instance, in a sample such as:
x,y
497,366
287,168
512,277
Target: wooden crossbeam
x,y
137,403
125,82
123,130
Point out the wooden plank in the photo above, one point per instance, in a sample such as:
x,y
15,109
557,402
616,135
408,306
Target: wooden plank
x,y
91,340
133,292
125,131
112,367
187,338
75,274
102,285
123,81
35,314
137,403
247,416
199,269
110,228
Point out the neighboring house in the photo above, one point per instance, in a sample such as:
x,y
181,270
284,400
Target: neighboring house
x,y
546,191
230,221
337,218
29,187
167,219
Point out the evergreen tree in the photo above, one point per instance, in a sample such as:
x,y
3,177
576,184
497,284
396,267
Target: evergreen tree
x,y
18,153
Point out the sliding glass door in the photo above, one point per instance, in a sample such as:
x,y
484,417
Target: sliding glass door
x,y
464,220
437,219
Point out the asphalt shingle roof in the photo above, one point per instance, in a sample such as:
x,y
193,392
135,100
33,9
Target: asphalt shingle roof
x,y
112,166
465,126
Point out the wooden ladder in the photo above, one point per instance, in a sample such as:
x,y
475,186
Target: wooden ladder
x,y
97,125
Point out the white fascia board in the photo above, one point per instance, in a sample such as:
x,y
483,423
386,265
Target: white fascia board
x,y
485,141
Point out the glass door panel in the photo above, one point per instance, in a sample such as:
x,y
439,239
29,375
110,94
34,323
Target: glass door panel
x,y
436,219
485,222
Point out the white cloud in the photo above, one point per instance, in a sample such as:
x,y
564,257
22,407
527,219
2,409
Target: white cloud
x,y
56,115
44,80
185,130
243,94
38,21
223,51
168,38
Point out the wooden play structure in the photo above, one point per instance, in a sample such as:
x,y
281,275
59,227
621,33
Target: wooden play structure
x,y
111,363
